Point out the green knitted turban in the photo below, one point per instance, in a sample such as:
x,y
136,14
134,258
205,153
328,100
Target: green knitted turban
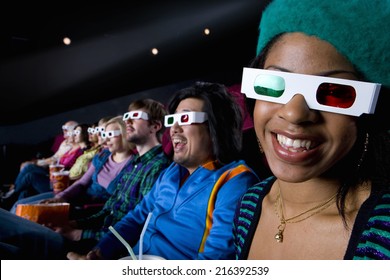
x,y
359,29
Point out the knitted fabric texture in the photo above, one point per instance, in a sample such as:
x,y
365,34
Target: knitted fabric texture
x,y
358,29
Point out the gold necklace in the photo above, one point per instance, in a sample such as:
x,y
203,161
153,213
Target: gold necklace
x,y
310,212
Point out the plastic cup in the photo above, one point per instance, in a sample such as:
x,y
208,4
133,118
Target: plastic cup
x,y
60,181
55,168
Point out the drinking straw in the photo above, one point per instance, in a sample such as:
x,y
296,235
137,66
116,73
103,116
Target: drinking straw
x,y
127,245
141,239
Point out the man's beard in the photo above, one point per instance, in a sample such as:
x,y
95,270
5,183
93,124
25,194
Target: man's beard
x,y
135,139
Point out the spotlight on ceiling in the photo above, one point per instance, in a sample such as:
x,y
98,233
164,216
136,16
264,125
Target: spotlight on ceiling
x,y
67,41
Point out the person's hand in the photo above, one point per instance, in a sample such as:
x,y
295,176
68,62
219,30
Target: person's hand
x,y
52,200
68,231
75,256
92,255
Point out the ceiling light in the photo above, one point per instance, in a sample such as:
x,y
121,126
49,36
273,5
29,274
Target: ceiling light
x,y
67,41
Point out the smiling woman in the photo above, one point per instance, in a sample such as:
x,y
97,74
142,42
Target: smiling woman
x,y
323,132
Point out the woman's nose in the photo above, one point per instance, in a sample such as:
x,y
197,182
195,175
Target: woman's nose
x,y
297,111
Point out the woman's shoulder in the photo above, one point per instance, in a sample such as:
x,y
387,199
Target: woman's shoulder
x,y
260,189
374,221
377,203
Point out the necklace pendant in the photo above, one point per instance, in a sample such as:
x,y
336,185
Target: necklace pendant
x,y
279,236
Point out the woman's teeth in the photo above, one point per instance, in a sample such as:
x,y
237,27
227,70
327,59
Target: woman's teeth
x,y
293,144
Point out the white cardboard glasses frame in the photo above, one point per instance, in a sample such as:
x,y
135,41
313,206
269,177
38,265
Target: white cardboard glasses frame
x,y
185,118
307,85
111,134
135,115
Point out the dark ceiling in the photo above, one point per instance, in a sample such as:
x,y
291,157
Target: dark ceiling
x,y
110,55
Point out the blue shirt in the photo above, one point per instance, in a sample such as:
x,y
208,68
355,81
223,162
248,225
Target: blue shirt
x,y
190,220
136,180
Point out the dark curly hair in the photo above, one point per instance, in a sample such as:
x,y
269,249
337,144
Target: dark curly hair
x,y
224,117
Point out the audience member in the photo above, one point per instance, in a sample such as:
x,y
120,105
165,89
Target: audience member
x,y
63,147
80,143
194,199
82,163
320,66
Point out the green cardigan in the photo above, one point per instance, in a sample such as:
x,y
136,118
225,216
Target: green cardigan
x,y
370,238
